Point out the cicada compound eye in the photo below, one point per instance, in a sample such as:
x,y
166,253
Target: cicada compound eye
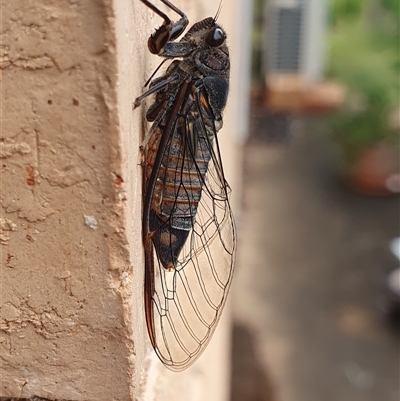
x,y
215,37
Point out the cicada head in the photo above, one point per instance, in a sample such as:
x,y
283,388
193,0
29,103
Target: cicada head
x,y
207,34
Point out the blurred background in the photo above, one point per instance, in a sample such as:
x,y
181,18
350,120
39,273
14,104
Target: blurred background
x,y
316,292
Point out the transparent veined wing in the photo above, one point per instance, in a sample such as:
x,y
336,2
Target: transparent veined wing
x,y
186,288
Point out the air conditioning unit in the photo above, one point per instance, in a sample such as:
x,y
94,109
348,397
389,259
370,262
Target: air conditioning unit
x,y
295,38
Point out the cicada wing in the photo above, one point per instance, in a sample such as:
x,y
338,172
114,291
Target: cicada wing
x,y
188,299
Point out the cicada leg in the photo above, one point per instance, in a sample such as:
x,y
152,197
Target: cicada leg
x,y
169,30
153,89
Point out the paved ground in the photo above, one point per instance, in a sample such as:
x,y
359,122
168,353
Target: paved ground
x,y
308,292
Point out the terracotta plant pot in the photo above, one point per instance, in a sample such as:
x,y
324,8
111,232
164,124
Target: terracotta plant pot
x,y
375,172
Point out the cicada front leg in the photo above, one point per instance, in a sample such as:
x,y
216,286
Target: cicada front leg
x,y
169,30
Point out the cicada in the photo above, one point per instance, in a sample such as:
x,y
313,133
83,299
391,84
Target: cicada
x,y
188,229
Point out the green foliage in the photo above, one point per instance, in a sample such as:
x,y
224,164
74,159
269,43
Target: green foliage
x,y
364,123
365,57
361,58
257,42
392,6
345,9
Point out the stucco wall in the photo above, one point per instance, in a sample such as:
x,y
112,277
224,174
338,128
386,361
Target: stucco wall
x,y
72,319
64,253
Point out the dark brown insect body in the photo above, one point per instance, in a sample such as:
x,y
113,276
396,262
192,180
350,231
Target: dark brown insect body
x,y
187,219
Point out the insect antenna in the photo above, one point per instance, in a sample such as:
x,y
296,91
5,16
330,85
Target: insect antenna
x,y
218,11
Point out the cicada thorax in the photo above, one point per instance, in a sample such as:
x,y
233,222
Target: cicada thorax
x,y
179,185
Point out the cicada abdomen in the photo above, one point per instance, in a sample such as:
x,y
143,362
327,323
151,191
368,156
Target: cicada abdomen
x,y
178,186
188,229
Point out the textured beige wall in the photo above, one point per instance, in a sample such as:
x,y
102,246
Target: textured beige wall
x,y
71,317
64,253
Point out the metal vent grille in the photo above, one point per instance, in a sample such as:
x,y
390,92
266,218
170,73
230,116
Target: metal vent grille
x,y
294,38
285,37
287,46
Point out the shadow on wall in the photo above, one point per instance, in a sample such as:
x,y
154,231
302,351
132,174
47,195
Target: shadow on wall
x,y
250,381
